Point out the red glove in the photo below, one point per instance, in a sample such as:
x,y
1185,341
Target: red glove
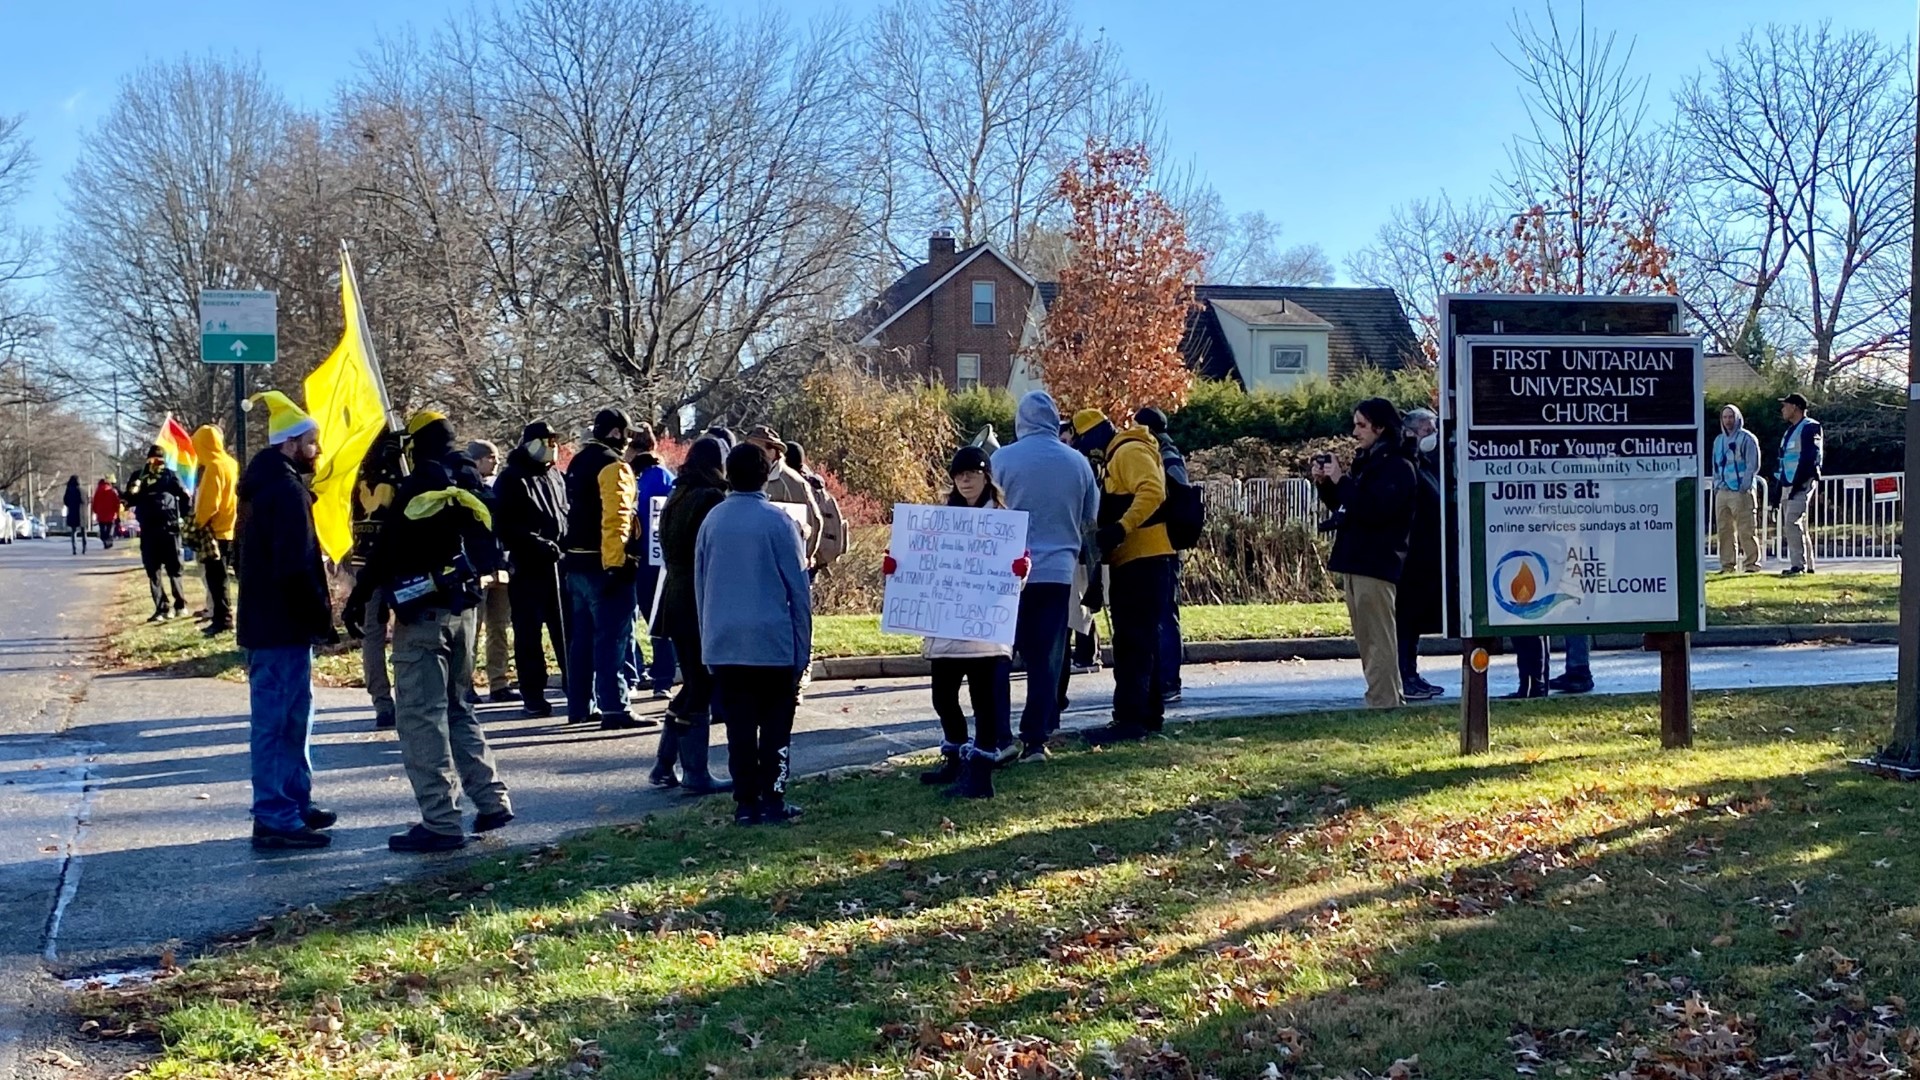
x,y
888,565
1023,566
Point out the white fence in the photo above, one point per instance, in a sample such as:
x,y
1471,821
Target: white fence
x,y
1852,517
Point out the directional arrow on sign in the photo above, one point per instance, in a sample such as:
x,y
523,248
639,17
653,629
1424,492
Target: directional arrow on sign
x,y
239,348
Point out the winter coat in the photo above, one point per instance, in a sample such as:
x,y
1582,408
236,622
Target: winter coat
x,y
438,518
788,486
1377,504
216,500
600,509
701,487
651,480
1417,608
833,523
106,504
531,511
1053,483
750,580
76,502
159,502
283,587
1134,489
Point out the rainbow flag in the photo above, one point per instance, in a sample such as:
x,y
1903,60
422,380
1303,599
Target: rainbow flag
x,y
177,443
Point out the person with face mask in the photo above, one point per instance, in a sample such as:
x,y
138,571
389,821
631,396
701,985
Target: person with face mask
x,y
496,611
599,561
531,501
1416,600
429,561
285,610
159,502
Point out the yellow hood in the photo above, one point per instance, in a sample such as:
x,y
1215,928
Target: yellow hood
x,y
208,443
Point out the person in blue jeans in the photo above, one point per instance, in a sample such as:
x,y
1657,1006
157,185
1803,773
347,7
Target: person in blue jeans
x,y
599,561
1578,677
285,610
652,480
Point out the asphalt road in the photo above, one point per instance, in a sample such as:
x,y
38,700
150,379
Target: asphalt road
x,y
123,799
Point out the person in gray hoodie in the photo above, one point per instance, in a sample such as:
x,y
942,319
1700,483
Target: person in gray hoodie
x,y
1736,505
756,632
1054,484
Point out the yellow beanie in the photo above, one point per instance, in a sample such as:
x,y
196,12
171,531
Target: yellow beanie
x,y
421,419
285,420
1087,419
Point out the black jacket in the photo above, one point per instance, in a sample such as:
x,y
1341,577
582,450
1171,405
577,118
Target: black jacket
x,y
1417,601
700,488
283,588
450,537
531,511
1375,501
76,501
159,501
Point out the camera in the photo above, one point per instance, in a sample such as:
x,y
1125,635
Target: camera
x,y
1323,459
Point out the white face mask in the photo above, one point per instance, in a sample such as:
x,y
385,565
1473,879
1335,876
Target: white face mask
x,y
1429,441
540,451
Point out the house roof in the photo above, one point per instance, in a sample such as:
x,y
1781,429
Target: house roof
x,y
1725,371
919,283
1365,327
1275,312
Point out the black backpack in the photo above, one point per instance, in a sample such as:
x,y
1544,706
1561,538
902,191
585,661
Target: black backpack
x,y
1184,513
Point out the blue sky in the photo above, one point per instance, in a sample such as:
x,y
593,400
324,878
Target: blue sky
x,y
1323,114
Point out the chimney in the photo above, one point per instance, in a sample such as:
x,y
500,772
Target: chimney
x,y
940,252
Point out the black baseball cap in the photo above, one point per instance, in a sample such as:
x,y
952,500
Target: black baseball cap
x,y
1798,401
537,431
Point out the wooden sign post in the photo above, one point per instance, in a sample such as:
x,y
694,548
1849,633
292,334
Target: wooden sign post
x,y
1574,463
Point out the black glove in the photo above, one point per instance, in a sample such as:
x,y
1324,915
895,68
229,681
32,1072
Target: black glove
x,y
550,547
354,615
1095,597
1110,537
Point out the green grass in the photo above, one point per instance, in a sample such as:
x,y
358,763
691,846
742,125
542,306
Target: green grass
x,y
1293,896
177,648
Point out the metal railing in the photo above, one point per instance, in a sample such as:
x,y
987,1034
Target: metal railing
x,y
1853,517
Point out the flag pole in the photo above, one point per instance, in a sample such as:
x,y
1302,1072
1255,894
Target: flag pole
x,y
366,335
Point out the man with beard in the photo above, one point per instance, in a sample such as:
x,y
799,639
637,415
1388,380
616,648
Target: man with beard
x,y
284,612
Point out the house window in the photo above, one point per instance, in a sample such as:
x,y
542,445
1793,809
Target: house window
x,y
966,371
1288,359
983,303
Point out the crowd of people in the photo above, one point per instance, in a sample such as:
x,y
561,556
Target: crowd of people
x,y
463,567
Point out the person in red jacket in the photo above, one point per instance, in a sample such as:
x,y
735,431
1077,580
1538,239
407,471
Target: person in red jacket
x,y
106,511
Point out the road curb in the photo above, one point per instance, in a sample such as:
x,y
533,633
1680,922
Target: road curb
x,y
1268,650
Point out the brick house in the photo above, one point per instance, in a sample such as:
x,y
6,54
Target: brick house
x,y
962,317
957,318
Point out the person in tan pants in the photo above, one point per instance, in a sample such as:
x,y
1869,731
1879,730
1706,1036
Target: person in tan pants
x,y
1372,518
1736,494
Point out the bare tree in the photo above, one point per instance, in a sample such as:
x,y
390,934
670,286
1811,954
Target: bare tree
x,y
1245,249
1799,143
21,324
1584,167
169,196
976,106
1410,254
703,170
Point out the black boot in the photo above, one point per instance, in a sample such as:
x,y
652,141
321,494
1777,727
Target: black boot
x,y
1530,687
976,778
1573,681
949,770
695,779
668,755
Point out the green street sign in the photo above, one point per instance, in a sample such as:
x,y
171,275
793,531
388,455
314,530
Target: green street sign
x,y
238,327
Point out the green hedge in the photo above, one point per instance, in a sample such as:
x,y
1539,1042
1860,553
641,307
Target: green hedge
x,y
1220,412
1864,423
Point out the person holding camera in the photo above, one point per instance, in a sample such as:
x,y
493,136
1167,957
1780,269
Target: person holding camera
x,y
1372,508
427,564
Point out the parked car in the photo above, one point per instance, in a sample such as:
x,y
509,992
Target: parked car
x,y
8,527
22,524
38,523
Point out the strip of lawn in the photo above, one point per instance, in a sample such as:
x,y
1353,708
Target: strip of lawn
x,y
1303,896
176,648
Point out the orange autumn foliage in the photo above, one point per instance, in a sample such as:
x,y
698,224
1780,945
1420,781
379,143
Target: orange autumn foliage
x,y
1539,251
1112,338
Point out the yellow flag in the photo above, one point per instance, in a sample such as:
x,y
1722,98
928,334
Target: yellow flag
x,y
345,399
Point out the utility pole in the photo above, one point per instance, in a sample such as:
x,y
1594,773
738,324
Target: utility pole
x,y
1901,757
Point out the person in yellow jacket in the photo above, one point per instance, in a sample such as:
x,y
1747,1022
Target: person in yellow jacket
x,y
598,554
216,502
1139,555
